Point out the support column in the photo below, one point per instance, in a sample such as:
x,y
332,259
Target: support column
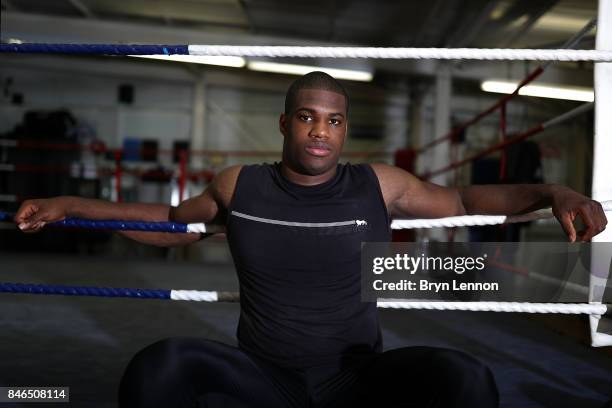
x,y
438,156
416,113
602,169
442,120
197,142
198,121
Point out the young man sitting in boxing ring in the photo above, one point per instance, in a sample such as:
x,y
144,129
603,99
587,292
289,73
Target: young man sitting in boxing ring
x,y
305,338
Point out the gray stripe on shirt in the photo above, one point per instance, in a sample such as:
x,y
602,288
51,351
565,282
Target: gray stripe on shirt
x,y
294,224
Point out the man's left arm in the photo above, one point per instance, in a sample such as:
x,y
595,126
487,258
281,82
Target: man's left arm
x,y
510,199
407,196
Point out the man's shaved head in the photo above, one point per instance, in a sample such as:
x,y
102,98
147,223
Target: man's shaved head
x,y
313,80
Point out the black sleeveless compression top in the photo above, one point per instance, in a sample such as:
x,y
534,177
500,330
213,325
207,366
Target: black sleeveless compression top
x,y
297,253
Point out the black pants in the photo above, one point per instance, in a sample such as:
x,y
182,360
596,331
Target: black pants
x,y
186,372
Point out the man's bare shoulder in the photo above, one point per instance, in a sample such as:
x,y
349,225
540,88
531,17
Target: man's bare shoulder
x,y
384,171
224,184
393,181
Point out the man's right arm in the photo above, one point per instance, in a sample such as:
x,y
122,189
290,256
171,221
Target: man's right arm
x,y
34,214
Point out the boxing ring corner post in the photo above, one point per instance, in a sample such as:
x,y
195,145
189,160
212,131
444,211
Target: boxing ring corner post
x,y
602,169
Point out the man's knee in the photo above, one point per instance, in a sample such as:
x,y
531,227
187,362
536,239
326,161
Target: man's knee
x,y
471,380
147,372
154,355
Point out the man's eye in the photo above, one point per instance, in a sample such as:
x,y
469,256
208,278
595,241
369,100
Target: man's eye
x,y
335,122
306,118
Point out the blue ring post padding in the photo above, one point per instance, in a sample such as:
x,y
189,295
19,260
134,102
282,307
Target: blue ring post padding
x,y
7,287
97,49
112,224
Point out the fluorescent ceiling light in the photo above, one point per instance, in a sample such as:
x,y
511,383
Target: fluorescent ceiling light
x,y
571,93
236,62
557,22
266,66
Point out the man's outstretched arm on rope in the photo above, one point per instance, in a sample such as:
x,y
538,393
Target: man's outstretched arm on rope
x,y
34,214
407,196
567,205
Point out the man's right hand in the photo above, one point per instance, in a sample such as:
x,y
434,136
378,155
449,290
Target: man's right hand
x,y
34,214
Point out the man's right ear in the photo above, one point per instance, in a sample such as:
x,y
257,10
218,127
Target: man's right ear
x,y
282,124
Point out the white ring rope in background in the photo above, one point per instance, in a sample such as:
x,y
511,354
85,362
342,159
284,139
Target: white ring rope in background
x,y
477,220
563,308
403,53
514,307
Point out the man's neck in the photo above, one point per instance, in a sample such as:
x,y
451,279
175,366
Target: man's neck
x,y
306,179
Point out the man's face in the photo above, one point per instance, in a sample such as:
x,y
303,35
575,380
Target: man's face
x,y
314,132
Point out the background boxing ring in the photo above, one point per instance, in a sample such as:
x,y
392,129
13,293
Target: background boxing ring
x,y
601,187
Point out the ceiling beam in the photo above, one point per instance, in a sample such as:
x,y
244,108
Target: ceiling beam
x,y
515,21
434,11
8,5
82,8
220,13
30,27
247,14
471,27
533,18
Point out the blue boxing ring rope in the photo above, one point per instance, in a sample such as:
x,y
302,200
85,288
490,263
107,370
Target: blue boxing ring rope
x,y
316,52
214,296
96,49
146,226
165,294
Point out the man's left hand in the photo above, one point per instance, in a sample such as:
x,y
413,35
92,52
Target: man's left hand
x,y
568,204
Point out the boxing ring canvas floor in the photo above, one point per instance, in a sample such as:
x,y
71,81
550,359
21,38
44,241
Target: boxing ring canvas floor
x,y
85,343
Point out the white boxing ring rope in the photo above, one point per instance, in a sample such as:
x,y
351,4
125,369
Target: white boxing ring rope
x,y
490,54
479,220
509,307
272,51
448,222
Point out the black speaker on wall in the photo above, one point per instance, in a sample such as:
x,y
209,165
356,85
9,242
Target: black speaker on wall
x,y
148,150
126,93
177,147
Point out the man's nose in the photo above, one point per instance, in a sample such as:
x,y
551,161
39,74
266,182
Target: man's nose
x,y
319,129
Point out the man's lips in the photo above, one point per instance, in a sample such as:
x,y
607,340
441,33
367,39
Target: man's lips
x,y
318,149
